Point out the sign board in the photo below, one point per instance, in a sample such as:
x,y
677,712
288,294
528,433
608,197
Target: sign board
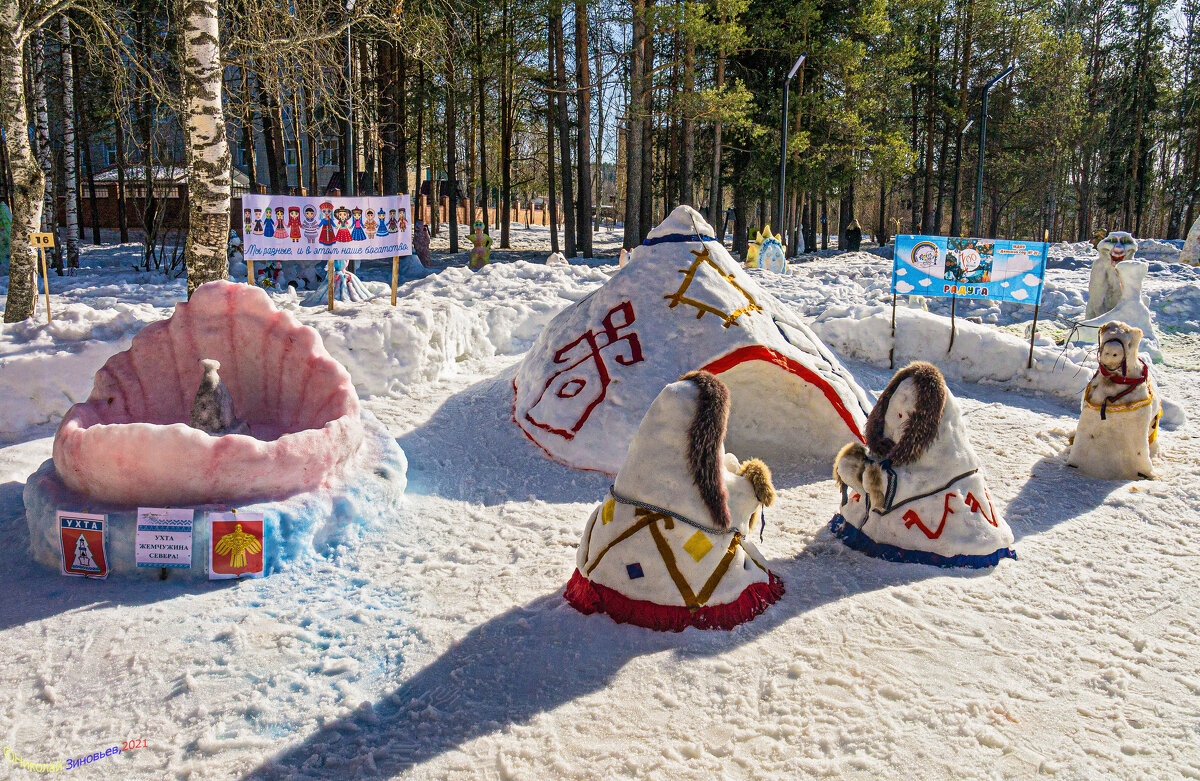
x,y
81,538
41,239
996,269
236,546
282,227
164,538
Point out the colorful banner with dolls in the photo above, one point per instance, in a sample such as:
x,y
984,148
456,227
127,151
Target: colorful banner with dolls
x,y
997,269
283,227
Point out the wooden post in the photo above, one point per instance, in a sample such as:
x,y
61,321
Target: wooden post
x,y
395,277
892,352
42,241
329,281
953,301
249,272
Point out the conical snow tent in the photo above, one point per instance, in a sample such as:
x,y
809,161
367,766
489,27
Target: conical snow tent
x,y
683,304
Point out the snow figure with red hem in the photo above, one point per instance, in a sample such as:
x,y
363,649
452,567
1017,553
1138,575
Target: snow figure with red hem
x,y
670,545
915,492
294,223
328,235
357,233
1117,437
342,215
382,230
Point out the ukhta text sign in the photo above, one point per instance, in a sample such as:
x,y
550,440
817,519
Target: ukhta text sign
x,y
997,269
280,227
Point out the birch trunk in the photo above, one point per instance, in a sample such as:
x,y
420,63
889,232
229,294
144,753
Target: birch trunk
x,y
207,152
28,178
564,129
45,155
583,155
70,168
633,131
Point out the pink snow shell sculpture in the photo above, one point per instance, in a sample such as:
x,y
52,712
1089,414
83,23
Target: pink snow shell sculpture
x,y
130,442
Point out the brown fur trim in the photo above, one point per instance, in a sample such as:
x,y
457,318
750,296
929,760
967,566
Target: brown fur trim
x,y
875,484
759,475
849,464
706,435
922,424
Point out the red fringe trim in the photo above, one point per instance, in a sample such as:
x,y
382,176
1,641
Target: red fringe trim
x,y
588,597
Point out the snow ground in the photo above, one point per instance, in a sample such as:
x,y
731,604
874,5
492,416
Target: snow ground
x,y
441,647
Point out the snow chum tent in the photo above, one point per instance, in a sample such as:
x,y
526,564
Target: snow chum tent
x,y
683,304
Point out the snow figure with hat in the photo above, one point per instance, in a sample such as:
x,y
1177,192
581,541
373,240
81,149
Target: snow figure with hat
x,y
767,252
914,493
1117,434
1104,287
669,547
481,253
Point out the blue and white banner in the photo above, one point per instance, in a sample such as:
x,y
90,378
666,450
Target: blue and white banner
x,y
284,227
997,269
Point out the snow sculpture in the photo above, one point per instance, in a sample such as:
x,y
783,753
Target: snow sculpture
x,y
670,545
313,461
1117,434
683,304
233,252
212,409
556,259
481,253
623,258
346,287
915,492
1104,289
1131,308
767,252
1190,253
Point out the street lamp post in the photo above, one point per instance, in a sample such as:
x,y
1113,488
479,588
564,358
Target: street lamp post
x,y
982,140
783,144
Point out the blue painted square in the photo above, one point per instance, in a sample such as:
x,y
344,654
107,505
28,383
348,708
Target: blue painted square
x,y
635,571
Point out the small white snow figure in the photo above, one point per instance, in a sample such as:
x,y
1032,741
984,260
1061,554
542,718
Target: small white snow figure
x,y
1118,421
623,259
556,259
669,546
917,495
212,410
1104,288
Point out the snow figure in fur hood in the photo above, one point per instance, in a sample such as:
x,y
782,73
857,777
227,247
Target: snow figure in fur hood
x,y
669,548
1104,286
1118,420
916,495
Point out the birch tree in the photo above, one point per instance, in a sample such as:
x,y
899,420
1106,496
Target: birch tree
x,y
70,179
207,152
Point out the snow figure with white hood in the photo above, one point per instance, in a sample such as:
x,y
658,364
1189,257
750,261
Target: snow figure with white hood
x,y
1118,420
670,545
1104,287
1131,308
767,252
915,492
1190,253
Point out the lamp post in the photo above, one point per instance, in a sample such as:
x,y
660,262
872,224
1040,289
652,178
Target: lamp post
x,y
351,161
982,140
783,143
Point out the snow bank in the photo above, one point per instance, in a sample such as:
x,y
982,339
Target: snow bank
x,y
981,353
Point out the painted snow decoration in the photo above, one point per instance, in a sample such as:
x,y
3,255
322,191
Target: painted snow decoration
x,y
130,442
767,252
1104,287
915,493
346,287
682,304
556,259
670,545
1190,253
1117,434
1131,308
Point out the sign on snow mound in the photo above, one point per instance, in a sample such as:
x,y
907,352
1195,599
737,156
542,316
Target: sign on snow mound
x,y
683,304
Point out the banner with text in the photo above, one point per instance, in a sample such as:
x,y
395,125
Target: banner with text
x,y
284,227
164,537
997,269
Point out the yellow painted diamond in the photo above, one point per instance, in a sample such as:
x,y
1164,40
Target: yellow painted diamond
x,y
698,546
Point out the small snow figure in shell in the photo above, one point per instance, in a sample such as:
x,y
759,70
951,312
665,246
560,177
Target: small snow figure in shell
x,y
247,221
310,224
357,233
269,225
294,223
382,223
481,254
328,236
258,222
212,408
342,215
280,225
392,221
1118,420
403,219
369,224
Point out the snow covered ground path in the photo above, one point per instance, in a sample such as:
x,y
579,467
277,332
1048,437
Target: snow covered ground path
x,y
441,647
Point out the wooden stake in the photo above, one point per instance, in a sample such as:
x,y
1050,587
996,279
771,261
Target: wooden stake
x,y
892,352
953,301
329,280
395,277
45,281
249,272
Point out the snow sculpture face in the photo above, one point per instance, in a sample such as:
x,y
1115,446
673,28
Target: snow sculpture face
x,y
1112,353
900,410
1118,246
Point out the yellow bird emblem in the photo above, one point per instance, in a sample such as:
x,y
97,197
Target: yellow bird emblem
x,y
236,545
